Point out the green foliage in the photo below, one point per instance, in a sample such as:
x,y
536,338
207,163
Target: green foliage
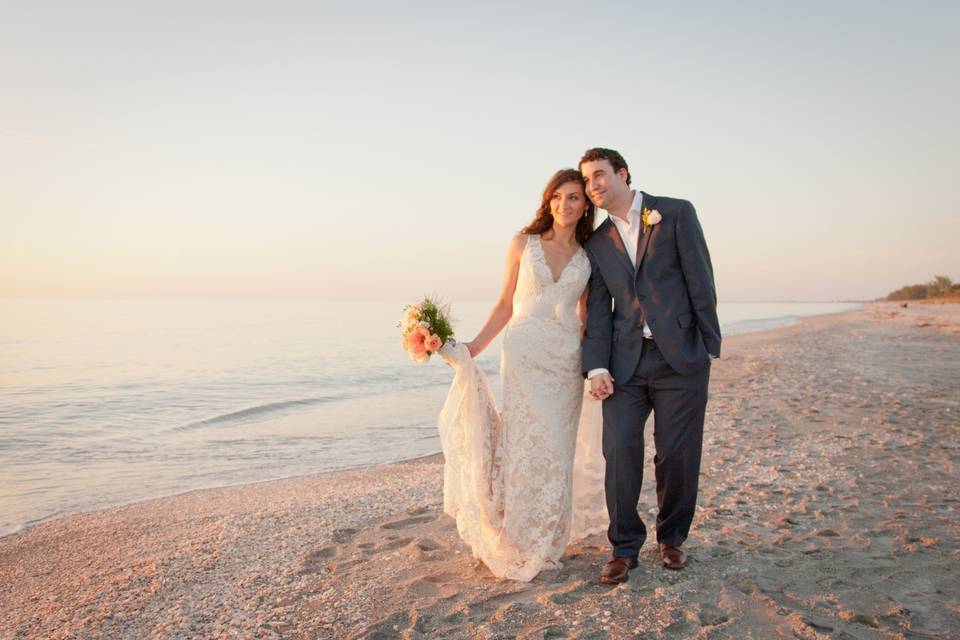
x,y
438,315
938,287
909,292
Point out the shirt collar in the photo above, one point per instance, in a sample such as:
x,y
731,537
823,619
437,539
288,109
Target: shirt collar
x,y
636,210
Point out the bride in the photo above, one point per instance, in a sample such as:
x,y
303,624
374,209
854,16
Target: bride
x,y
523,483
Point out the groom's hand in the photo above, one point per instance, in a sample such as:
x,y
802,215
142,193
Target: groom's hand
x,y
601,386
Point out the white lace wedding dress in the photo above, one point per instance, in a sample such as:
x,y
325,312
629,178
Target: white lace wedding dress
x,y
523,483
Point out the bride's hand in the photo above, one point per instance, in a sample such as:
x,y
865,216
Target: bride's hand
x,y
474,351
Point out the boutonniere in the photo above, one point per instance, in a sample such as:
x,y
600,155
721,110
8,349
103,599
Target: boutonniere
x,y
650,217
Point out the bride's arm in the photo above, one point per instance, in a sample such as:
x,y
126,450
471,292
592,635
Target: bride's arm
x,y
582,312
503,310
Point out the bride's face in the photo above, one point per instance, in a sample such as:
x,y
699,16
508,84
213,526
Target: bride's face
x,y
568,204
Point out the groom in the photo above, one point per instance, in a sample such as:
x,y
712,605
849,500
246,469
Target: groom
x,y
651,332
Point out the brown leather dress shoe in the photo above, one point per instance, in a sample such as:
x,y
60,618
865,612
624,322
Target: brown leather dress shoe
x,y
673,557
616,570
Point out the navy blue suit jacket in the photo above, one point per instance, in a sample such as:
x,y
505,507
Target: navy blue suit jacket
x,y
673,289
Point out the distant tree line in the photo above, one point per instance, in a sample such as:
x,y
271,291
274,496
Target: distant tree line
x,y
939,287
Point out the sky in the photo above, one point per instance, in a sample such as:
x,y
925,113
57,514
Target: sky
x,y
366,150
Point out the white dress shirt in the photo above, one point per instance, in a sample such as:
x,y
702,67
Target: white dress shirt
x,y
630,234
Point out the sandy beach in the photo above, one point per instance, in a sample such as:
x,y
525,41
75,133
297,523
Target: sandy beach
x,y
829,508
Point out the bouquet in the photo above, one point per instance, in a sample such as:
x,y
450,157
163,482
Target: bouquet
x,y
425,328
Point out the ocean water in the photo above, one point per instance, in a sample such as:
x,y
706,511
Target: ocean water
x,y
104,402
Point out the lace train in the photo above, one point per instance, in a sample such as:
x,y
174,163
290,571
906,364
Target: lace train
x,y
473,492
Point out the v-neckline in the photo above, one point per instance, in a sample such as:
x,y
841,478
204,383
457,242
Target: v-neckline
x,y
546,263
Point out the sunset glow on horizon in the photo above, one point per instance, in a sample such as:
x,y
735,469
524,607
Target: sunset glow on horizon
x,y
381,151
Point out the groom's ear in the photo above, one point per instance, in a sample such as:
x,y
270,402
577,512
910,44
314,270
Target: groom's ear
x,y
623,173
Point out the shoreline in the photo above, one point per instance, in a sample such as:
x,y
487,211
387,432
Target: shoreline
x,y
825,511
26,527
427,458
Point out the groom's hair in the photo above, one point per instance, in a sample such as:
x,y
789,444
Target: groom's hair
x,y
613,157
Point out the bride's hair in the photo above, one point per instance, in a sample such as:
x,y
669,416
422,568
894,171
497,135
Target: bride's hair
x,y
544,219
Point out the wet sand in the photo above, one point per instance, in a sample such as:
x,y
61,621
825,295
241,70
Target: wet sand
x,y
829,508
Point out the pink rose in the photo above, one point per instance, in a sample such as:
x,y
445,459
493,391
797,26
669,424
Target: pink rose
x,y
418,352
424,331
412,341
433,343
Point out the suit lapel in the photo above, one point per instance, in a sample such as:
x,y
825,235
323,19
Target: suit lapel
x,y
649,202
614,237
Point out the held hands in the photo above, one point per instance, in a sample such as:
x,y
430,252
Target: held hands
x,y
601,386
474,349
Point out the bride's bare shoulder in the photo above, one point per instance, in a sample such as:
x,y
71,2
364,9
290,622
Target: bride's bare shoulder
x,y
517,243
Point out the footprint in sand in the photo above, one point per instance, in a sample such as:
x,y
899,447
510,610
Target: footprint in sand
x,y
427,545
502,605
552,632
441,578
322,554
315,561
344,535
716,553
575,594
422,588
389,628
393,544
408,522
711,616
456,618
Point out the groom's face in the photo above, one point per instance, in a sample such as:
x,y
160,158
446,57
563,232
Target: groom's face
x,y
604,185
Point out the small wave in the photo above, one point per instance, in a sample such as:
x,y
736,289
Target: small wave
x,y
252,412
751,326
